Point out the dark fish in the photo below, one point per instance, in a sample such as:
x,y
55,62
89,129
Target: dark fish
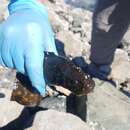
x,y
58,70
62,71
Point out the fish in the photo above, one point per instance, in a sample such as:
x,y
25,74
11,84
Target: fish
x,y
62,71
58,70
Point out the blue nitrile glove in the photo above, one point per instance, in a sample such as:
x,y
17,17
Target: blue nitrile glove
x,y
24,37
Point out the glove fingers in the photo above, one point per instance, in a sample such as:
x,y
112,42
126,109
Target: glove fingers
x,y
12,57
5,57
34,69
11,53
1,41
18,60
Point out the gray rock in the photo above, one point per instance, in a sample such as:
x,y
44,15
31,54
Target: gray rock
x,y
126,42
72,45
57,103
82,22
7,78
53,120
109,107
89,4
3,10
58,15
9,111
58,24
16,117
120,66
127,37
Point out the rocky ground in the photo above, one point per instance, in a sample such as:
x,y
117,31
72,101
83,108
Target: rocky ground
x,y
107,108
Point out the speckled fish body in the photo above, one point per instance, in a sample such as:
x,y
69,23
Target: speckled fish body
x,y
58,70
62,71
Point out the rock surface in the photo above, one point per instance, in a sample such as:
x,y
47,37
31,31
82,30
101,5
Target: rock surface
x,y
72,45
108,107
53,120
8,110
89,4
16,117
120,66
3,10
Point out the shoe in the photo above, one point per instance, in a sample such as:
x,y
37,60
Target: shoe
x,y
99,71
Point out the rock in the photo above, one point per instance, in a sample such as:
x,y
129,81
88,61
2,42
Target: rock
x,y
7,78
126,37
16,117
53,1
53,120
82,23
76,20
9,111
86,52
126,42
58,24
72,45
89,4
3,10
120,66
109,107
125,86
59,11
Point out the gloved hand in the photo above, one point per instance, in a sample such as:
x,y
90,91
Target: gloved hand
x,y
24,37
